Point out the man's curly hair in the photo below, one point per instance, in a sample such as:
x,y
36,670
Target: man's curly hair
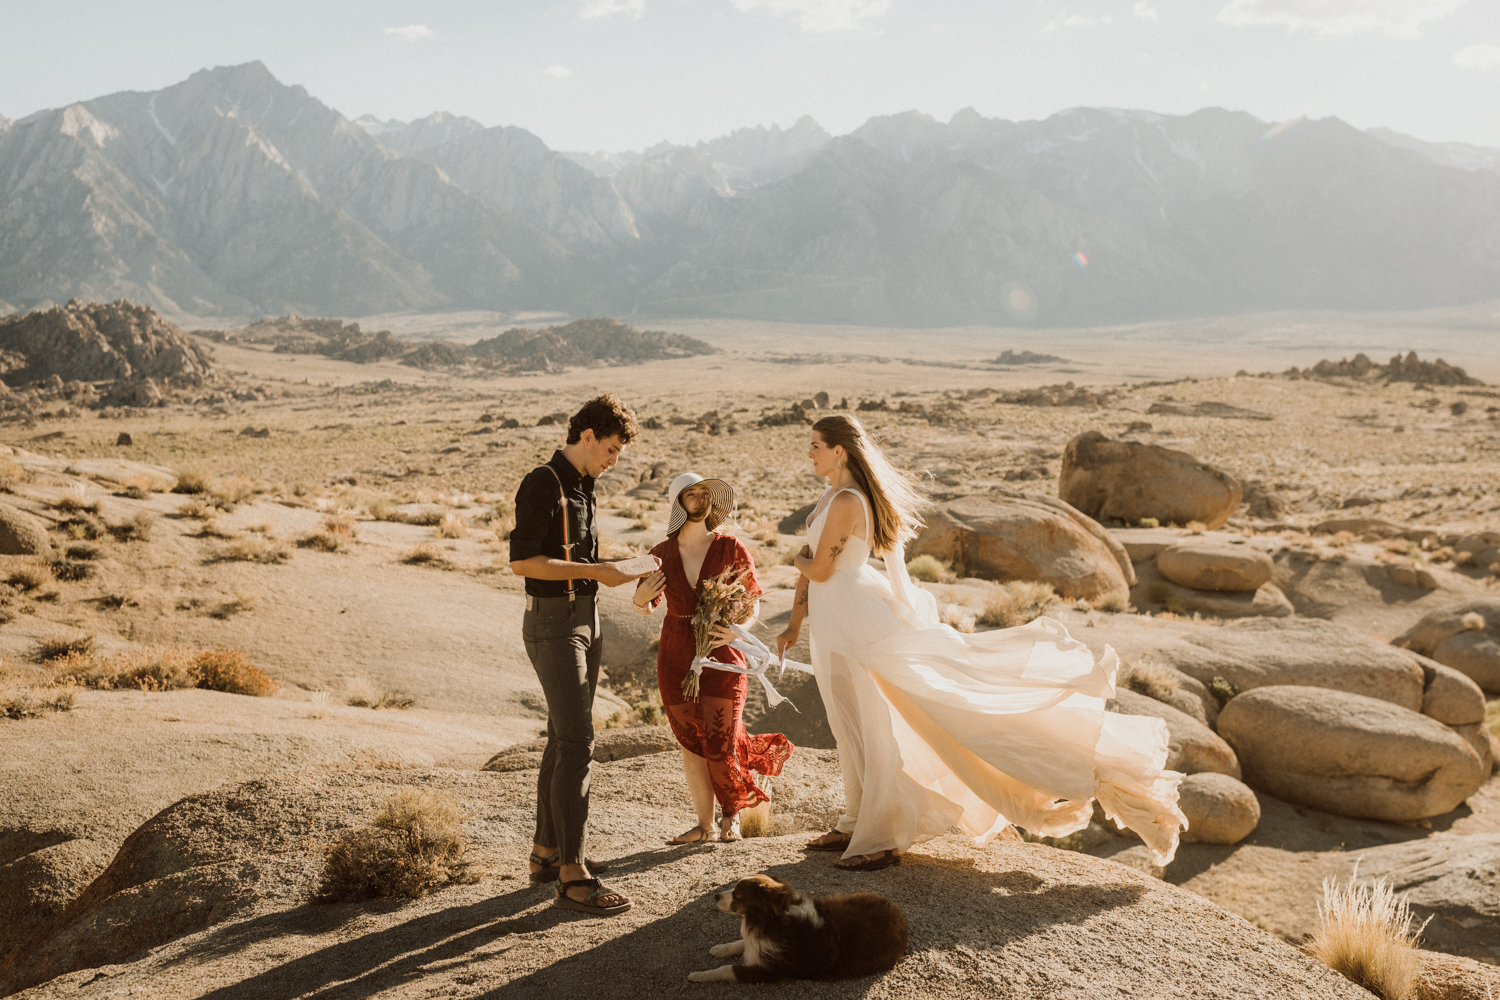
x,y
606,416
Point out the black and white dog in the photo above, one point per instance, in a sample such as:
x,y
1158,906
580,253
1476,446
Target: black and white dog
x,y
786,935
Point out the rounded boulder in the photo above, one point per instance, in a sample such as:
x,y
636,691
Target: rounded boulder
x,y
1193,747
1206,566
1219,809
1349,754
1008,535
1465,636
22,534
1129,480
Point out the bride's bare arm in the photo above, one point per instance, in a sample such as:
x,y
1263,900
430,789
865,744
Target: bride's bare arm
x,y
787,639
845,517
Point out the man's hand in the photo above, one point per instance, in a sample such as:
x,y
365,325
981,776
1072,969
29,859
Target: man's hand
x,y
606,574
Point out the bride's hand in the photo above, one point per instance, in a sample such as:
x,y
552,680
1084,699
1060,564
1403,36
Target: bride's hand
x,y
787,640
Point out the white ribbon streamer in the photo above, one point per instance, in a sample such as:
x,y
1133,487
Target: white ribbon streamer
x,y
758,661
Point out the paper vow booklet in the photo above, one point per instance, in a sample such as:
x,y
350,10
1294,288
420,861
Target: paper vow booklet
x,y
639,566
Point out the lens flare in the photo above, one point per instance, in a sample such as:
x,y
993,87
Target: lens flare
x,y
1081,259
1018,300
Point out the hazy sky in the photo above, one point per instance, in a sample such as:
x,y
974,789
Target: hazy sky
x,y
623,74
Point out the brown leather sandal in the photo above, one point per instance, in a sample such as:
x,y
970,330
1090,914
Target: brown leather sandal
x,y
888,859
841,844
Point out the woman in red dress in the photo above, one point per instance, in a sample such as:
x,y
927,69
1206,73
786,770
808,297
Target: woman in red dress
x,y
717,754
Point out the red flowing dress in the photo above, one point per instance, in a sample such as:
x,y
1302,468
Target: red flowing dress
x,y
712,727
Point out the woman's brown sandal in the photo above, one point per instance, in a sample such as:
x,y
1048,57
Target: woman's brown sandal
x,y
550,867
886,859
587,904
841,844
704,836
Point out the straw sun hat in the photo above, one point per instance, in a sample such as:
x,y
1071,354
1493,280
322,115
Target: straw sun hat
x,y
720,493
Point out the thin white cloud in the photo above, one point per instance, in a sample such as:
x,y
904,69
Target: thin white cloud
x,y
1339,17
1480,57
561,72
1144,10
410,32
818,15
1074,22
595,9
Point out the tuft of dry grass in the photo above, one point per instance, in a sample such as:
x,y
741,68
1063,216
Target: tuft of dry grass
x,y
1017,602
1367,937
193,481
362,692
1473,621
243,601
166,668
229,493
928,569
137,529
71,571
337,533
1115,601
198,509
452,525
646,712
1195,527
30,574
83,525
1148,522
320,700
33,702
956,616
136,487
759,820
12,474
1492,716
256,548
1151,679
58,646
425,554
415,845
383,509
77,500
83,550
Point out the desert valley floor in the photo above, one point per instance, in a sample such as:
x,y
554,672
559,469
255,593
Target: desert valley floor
x,y
413,607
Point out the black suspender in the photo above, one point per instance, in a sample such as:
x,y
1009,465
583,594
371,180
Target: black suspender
x,y
567,543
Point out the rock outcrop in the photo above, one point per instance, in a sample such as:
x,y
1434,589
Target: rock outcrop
x,y
1216,567
1194,747
1465,636
1009,535
1128,480
1220,809
94,341
1348,754
22,534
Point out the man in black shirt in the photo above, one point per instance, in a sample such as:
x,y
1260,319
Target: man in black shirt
x,y
555,546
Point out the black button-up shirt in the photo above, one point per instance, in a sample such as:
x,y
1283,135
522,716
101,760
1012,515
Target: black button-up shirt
x,y
539,525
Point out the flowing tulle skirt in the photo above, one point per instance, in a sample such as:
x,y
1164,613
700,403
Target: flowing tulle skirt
x,y
938,729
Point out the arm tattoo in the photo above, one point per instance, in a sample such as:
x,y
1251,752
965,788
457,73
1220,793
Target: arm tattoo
x,y
837,550
802,597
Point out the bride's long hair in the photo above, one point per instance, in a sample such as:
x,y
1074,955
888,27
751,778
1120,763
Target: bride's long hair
x,y
893,494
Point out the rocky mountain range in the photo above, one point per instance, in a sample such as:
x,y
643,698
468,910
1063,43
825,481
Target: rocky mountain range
x,y
234,194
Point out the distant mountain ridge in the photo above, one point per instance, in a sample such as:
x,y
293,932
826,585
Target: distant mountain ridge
x,y
232,193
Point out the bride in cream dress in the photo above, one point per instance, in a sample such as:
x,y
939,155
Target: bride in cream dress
x,y
936,728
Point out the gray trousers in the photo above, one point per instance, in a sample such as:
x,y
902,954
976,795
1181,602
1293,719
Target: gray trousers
x,y
562,640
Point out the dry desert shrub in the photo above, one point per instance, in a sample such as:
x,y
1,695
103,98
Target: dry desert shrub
x,y
414,846
928,569
136,487
319,702
198,509
958,617
29,574
167,668
12,474
137,529
1473,621
1017,602
365,693
83,550
1195,527
256,548
58,646
1492,716
759,820
1151,679
452,525
243,601
33,702
1148,522
82,525
1115,601
77,499
336,533
71,571
1367,937
646,712
383,509
193,481
425,554
228,493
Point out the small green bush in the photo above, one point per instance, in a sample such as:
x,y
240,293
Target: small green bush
x,y
926,568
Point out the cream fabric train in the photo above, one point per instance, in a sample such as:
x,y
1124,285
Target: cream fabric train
x,y
938,729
